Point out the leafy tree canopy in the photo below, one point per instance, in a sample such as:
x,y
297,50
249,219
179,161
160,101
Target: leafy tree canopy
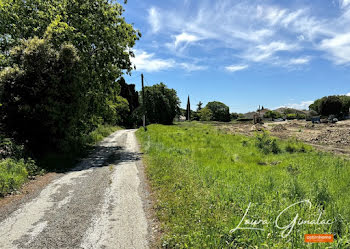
x,y
41,95
95,28
220,111
205,114
272,115
336,105
161,104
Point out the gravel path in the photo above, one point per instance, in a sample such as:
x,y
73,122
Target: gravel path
x,y
99,204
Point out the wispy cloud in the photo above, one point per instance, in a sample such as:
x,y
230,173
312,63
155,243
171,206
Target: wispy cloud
x,y
191,67
150,63
182,41
344,3
185,38
256,31
234,68
338,48
303,105
147,62
154,19
299,61
265,51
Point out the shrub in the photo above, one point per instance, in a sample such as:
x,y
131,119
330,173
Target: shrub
x,y
291,116
272,115
13,174
8,148
205,114
267,144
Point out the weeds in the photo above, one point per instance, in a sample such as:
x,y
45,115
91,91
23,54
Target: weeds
x,y
267,144
203,194
13,174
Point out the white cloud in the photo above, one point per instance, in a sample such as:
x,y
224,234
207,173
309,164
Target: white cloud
x,y
148,62
255,31
185,38
234,68
275,46
338,48
154,19
191,67
344,3
265,51
300,106
348,94
299,61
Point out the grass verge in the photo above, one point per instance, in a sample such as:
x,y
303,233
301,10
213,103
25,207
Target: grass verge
x,y
204,182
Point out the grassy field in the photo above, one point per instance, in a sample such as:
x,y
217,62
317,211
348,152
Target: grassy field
x,y
205,180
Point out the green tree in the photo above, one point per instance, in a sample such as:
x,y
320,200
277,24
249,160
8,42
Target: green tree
x,y
127,91
199,106
272,114
205,114
96,28
345,104
220,111
42,95
234,116
316,105
161,104
331,105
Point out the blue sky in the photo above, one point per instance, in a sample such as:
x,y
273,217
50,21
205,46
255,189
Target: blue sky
x,y
243,53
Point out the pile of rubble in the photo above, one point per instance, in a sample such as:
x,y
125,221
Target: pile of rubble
x,y
333,136
258,127
278,128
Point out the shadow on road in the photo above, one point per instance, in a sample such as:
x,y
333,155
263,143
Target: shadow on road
x,y
103,156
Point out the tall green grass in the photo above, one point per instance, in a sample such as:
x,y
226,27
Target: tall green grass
x,y
99,134
13,173
204,181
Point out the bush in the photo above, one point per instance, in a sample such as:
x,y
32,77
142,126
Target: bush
x,y
291,116
205,114
8,148
267,144
272,115
13,173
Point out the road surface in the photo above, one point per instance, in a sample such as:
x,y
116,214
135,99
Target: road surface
x,y
98,204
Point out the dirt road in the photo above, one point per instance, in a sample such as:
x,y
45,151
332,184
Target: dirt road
x,y
99,204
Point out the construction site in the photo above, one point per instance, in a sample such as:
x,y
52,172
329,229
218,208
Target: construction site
x,y
330,137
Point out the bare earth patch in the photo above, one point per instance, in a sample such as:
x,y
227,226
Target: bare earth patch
x,y
326,137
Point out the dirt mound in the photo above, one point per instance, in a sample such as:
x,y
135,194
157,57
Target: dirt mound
x,y
278,128
333,137
309,125
295,123
257,127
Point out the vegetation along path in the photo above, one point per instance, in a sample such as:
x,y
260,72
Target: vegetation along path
x,y
99,204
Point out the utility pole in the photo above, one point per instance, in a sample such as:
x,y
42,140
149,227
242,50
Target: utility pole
x,y
144,105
